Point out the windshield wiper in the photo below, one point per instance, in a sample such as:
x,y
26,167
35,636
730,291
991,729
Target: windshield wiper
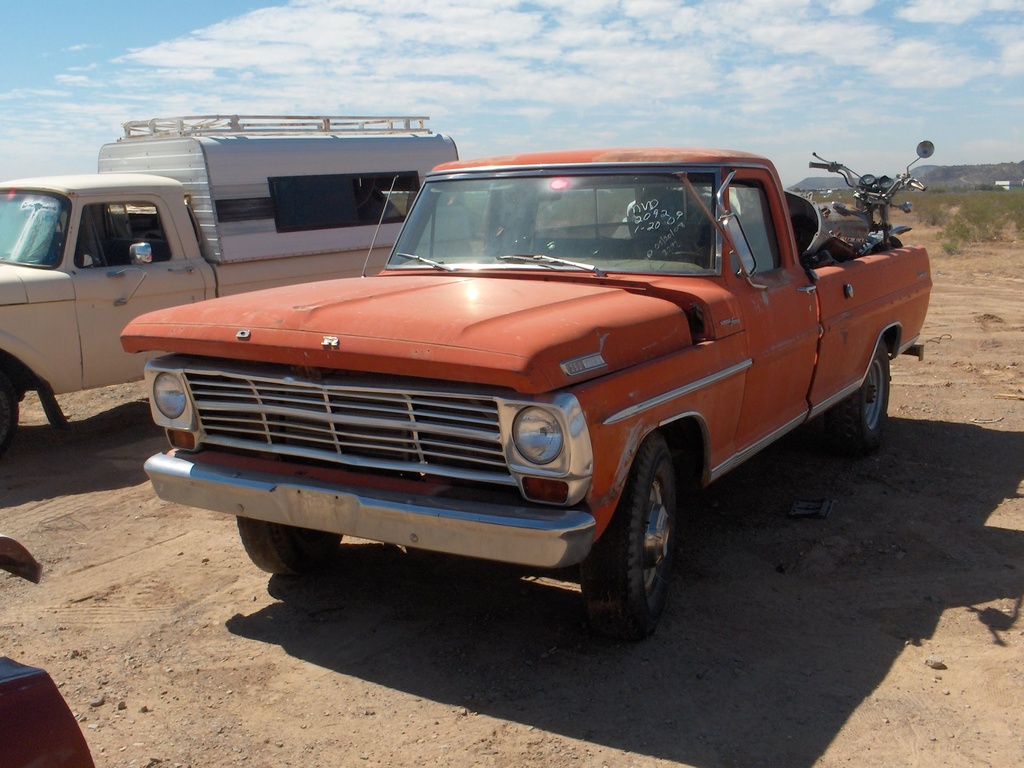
x,y
428,262
545,259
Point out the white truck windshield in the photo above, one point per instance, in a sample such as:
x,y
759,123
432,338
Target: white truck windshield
x,y
33,226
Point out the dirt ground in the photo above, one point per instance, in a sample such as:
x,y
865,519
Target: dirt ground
x,y
886,634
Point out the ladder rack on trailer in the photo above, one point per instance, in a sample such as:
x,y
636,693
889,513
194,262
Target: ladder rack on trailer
x,y
205,125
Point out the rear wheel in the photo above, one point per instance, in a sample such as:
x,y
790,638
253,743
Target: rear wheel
x,y
286,549
855,425
625,577
8,412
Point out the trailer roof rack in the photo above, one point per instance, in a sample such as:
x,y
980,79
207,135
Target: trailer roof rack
x,y
200,125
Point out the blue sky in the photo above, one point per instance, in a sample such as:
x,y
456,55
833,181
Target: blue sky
x,y
860,81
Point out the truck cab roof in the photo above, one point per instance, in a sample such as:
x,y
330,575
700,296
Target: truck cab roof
x,y
97,183
611,156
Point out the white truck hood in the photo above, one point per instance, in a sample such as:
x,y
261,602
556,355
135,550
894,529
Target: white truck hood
x,y
29,285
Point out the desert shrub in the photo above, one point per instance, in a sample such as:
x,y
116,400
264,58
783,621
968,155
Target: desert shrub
x,y
931,209
1014,202
958,228
975,217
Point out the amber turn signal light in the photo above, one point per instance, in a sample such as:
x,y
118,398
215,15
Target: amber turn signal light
x,y
181,439
548,491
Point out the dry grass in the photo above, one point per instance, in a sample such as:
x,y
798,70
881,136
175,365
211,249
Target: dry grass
x,y
1002,255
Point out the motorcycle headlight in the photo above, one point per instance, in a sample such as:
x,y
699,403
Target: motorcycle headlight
x,y
169,395
537,435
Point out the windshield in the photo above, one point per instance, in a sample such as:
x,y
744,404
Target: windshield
x,y
608,222
32,227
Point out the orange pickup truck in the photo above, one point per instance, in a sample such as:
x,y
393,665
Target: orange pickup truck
x,y
561,347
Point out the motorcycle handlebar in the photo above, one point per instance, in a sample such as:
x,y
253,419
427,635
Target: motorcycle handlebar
x,y
823,166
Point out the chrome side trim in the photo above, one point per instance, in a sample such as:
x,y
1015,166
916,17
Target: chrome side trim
x,y
686,389
908,345
842,394
546,537
738,458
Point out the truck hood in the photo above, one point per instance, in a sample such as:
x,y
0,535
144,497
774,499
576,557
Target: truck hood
x,y
24,285
531,335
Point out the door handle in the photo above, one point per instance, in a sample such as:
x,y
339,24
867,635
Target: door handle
x,y
121,273
807,288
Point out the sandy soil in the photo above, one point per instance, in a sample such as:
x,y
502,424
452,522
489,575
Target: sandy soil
x,y
886,634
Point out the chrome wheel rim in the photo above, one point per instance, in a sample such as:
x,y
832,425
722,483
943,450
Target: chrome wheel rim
x,y
873,401
656,535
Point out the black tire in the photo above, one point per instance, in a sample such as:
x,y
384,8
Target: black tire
x,y
285,549
854,426
625,578
8,412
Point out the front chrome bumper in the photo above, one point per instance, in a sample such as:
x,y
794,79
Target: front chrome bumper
x,y
546,537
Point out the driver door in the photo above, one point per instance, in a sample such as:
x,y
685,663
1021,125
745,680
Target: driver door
x,y
111,290
779,318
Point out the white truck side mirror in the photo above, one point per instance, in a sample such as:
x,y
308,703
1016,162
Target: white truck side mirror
x,y
140,253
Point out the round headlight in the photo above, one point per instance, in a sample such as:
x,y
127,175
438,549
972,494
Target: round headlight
x,y
537,435
169,395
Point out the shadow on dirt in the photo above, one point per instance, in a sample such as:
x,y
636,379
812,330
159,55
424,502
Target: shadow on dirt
x,y
100,453
777,630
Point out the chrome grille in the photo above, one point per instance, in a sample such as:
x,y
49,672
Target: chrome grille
x,y
421,431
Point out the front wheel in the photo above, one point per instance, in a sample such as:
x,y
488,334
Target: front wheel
x,y
286,549
625,577
8,412
854,426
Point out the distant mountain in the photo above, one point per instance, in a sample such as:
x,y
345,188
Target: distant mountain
x,y
948,176
970,175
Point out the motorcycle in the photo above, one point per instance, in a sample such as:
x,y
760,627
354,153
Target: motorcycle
x,y
866,227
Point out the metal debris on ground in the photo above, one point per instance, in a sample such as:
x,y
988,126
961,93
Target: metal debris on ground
x,y
813,508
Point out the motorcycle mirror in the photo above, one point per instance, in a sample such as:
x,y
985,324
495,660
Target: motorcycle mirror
x,y
925,149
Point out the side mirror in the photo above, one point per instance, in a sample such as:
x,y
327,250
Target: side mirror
x,y
739,242
925,149
732,227
140,253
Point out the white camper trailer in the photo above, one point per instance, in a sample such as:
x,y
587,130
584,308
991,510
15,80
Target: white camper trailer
x,y
185,209
262,187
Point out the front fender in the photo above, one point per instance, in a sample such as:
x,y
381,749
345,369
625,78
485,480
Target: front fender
x,y
42,340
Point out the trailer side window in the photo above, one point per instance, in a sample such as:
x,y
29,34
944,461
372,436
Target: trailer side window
x,y
341,200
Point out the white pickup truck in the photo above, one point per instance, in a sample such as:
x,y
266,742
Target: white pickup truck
x,y
185,209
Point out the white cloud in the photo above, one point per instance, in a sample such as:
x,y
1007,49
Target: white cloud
x,y
508,75
954,11
849,7
73,80
1009,45
1012,59
920,64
